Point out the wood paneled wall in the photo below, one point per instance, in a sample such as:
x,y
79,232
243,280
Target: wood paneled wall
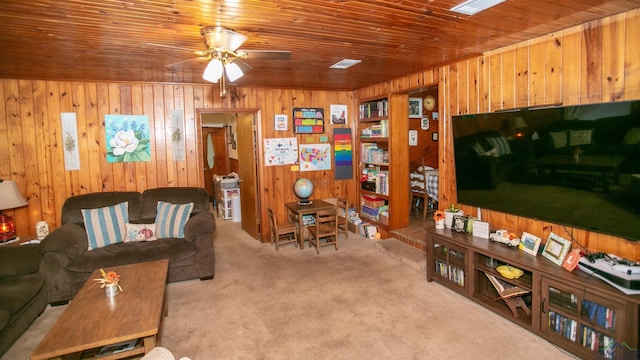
x,y
31,151
595,62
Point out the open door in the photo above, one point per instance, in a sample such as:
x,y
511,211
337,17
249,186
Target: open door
x,y
247,170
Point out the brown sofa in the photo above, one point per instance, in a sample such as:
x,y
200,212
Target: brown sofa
x,y
23,293
67,263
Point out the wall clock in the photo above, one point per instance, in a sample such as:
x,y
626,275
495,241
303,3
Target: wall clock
x,y
429,102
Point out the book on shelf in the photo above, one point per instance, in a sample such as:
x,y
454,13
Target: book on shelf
x,y
374,109
505,289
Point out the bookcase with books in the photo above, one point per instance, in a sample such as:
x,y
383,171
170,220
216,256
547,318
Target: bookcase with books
x,y
374,161
576,317
383,153
574,310
450,265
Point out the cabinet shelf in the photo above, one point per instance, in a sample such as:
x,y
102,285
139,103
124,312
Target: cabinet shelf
x,y
375,139
373,193
375,163
374,118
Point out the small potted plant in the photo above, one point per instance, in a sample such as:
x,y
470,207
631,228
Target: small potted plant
x,y
438,217
449,213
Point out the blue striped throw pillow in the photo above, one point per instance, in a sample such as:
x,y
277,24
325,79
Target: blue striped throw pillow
x,y
171,218
106,226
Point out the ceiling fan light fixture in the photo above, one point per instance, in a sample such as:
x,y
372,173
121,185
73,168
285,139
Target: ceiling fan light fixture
x,y
213,71
233,71
472,7
218,37
345,64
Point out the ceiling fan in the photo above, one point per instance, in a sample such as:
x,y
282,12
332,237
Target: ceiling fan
x,y
223,55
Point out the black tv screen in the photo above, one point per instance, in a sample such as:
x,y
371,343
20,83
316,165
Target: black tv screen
x,y
571,165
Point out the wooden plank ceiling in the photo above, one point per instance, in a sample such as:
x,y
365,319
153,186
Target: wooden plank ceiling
x,y
116,40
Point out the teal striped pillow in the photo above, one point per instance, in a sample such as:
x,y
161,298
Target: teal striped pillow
x,y
106,226
171,218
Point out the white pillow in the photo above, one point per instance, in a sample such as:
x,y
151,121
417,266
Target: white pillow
x,y
632,137
580,137
559,139
106,225
500,144
140,232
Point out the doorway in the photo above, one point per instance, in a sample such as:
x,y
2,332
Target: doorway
x,y
233,140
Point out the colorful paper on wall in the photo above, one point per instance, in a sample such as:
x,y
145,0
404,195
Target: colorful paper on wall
x,y
280,151
314,157
343,154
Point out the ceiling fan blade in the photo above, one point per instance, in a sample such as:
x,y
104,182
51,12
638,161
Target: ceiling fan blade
x,y
265,54
173,47
201,58
243,65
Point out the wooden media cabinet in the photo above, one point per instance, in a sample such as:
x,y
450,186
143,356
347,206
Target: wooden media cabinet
x,y
574,310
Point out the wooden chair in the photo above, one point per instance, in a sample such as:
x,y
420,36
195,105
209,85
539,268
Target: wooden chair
x,y
326,227
419,197
283,233
343,214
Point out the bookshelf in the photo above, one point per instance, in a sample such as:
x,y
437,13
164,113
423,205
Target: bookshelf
x,y
383,191
373,134
573,310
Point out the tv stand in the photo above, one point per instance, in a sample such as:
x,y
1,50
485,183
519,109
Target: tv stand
x,y
578,312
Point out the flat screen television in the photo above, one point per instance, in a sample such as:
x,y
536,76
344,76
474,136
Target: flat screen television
x,y
570,165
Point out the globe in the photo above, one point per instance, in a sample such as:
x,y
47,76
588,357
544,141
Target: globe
x,y
303,188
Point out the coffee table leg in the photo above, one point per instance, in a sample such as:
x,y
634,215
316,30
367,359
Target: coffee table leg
x,y
149,343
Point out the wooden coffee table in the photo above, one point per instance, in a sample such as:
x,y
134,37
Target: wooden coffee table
x,y
92,320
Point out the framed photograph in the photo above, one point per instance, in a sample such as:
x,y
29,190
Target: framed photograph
x,y
529,243
459,223
280,122
338,114
424,124
556,249
415,108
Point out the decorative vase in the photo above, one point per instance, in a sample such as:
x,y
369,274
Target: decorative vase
x,y
440,224
448,217
111,290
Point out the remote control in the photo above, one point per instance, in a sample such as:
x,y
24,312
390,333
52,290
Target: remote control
x,y
627,269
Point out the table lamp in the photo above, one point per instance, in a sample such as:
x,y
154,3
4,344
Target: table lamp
x,y
10,198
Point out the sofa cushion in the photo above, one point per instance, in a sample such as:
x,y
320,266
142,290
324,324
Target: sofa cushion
x,y
18,291
174,195
72,208
132,252
171,219
19,260
106,225
140,232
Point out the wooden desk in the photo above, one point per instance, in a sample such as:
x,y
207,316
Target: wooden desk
x,y
92,320
297,211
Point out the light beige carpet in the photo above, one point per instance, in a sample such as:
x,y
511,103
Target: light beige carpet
x,y
354,303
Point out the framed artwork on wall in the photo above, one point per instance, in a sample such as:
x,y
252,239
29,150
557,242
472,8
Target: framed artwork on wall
x,y
415,108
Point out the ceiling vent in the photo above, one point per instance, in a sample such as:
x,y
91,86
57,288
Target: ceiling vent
x,y
472,7
344,64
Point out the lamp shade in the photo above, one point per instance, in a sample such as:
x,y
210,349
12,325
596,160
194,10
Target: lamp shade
x,y
233,71
213,71
10,196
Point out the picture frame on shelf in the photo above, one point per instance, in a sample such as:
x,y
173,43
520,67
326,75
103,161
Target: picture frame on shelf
x,y
556,248
459,223
415,108
529,243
